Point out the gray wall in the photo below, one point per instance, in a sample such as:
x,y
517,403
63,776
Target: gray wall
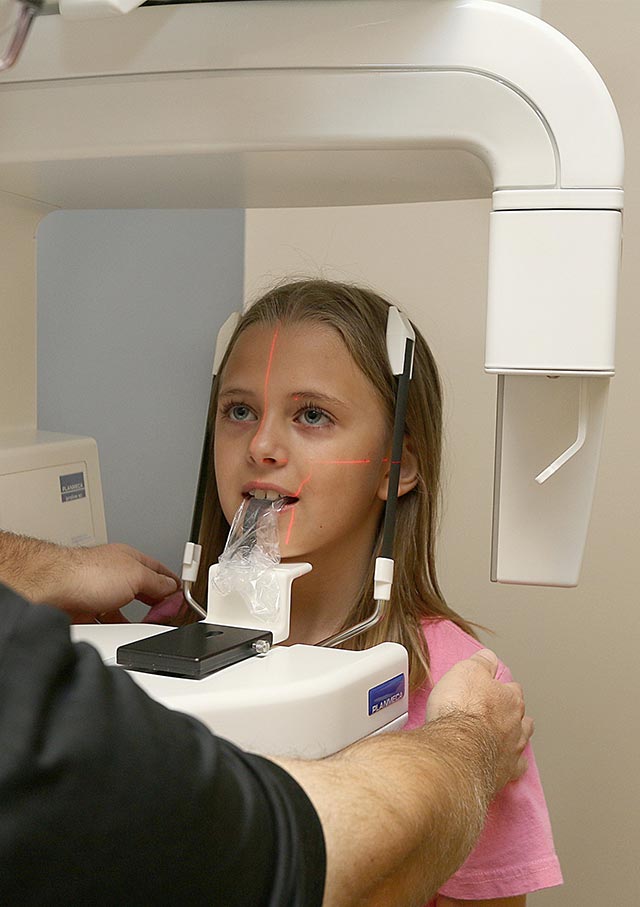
x,y
129,304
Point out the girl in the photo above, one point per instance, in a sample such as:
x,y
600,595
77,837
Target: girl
x,y
304,404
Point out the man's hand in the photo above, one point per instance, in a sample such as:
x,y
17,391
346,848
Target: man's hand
x,y
428,788
91,580
109,576
470,689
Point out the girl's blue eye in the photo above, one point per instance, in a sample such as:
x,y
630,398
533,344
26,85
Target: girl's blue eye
x,y
313,416
240,413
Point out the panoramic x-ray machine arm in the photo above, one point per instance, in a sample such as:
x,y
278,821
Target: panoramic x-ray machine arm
x,y
361,102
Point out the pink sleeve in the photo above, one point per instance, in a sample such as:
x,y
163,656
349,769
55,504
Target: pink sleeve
x,y
515,854
166,611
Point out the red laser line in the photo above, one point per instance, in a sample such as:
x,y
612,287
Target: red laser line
x,y
302,484
290,527
342,462
293,509
266,382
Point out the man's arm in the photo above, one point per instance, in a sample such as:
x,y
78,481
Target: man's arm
x,y
401,812
89,757
109,798
92,580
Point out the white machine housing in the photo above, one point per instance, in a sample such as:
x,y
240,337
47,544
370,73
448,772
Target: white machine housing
x,y
303,701
300,701
50,487
328,102
365,101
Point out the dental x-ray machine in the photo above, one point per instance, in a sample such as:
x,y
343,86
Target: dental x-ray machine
x,y
325,102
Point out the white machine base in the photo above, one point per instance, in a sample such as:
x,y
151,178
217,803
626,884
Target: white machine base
x,y
297,701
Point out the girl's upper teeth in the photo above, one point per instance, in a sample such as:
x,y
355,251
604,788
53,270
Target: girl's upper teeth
x,y
265,494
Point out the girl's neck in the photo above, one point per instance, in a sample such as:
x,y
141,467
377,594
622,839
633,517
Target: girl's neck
x,y
321,599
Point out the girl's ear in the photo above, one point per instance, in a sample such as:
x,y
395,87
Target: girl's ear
x,y
408,472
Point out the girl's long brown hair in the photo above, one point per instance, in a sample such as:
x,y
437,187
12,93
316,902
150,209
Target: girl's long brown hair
x,y
360,317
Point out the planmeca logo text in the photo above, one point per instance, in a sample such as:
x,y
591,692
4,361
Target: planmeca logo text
x,y
385,694
385,702
72,487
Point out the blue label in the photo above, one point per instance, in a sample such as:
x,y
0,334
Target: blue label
x,y
385,694
72,487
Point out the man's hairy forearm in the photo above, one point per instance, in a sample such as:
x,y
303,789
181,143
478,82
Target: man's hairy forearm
x,y
32,567
90,580
401,812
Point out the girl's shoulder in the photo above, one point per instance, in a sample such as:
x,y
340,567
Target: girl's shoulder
x,y
515,854
448,644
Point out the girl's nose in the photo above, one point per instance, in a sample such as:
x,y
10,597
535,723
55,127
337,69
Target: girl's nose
x,y
267,447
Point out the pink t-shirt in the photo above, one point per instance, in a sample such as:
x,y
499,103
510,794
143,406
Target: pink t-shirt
x,y
515,854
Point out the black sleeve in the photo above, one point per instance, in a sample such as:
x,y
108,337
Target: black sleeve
x,y
107,797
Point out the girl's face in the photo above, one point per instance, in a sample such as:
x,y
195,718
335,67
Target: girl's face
x,y
298,418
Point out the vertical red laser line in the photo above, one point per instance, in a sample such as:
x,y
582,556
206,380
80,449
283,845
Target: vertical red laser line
x,y
266,382
290,526
293,509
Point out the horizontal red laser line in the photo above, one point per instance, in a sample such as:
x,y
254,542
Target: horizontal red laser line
x,y
342,462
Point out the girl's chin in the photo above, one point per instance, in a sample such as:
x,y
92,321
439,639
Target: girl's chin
x,y
291,553
292,558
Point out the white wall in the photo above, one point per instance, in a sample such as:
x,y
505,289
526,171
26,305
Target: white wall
x,y
529,6
576,650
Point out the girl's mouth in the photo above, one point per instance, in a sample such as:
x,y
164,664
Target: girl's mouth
x,y
284,501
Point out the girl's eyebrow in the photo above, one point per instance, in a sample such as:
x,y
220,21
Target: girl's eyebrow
x,y
236,392
315,395
318,396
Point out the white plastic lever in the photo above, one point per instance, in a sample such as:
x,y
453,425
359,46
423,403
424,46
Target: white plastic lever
x,y
191,562
399,330
383,579
223,339
190,567
583,419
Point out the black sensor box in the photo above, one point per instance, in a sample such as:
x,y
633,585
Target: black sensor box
x,y
194,651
